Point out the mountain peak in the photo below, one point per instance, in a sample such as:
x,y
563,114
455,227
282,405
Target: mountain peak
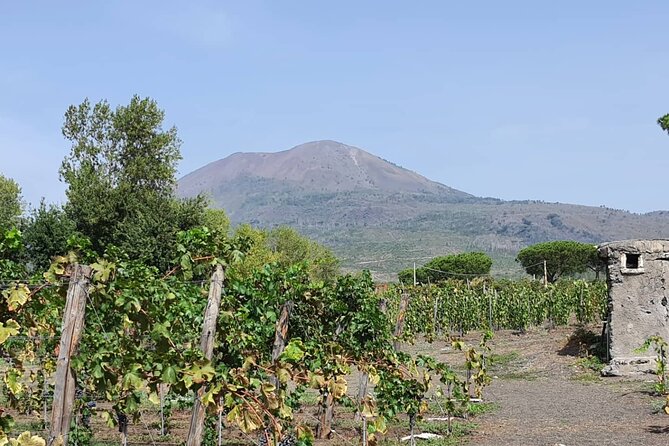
x,y
379,215
323,166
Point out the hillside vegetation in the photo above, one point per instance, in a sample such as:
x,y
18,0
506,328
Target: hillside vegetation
x,y
377,215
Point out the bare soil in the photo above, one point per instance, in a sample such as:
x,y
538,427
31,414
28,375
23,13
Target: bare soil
x,y
546,397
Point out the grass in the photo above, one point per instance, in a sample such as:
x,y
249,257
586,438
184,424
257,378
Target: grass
x,y
473,409
587,378
477,409
458,437
509,366
310,398
497,362
658,405
588,369
523,375
592,363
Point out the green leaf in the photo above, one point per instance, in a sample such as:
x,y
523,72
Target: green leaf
x,y
198,373
17,296
102,270
10,328
27,439
169,375
13,381
293,351
154,398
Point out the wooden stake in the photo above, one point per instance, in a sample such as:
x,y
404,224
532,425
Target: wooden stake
x,y
362,392
434,316
123,427
196,428
401,316
280,336
364,431
163,426
324,427
220,422
45,387
490,324
73,326
383,305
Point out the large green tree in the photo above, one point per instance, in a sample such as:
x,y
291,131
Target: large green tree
x,y
454,266
562,257
121,179
285,247
11,203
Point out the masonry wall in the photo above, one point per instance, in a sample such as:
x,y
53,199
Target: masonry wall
x,y
637,274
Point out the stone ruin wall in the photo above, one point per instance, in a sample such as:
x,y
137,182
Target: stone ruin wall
x,y
637,275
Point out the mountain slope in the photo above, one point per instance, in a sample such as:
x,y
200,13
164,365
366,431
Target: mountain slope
x,y
314,167
378,215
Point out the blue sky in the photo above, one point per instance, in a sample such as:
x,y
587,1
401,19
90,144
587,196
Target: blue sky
x,y
554,101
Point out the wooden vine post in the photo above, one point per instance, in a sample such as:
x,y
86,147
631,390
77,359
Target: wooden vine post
x,y
73,326
196,428
280,336
326,410
326,414
401,316
363,384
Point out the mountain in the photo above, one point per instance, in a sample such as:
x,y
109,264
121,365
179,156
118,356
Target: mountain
x,y
377,215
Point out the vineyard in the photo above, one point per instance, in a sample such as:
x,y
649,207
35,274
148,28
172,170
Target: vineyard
x,y
458,306
261,357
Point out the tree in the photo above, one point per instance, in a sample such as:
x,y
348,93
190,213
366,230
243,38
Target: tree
x,y
11,204
457,266
216,220
121,179
563,258
293,247
285,247
663,122
45,235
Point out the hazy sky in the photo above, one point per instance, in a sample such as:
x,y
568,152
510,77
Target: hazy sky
x,y
513,99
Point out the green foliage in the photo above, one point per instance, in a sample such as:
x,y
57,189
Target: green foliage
x,y
144,323
121,179
11,204
663,122
216,220
455,306
468,264
45,235
662,350
293,247
11,255
402,390
285,247
563,258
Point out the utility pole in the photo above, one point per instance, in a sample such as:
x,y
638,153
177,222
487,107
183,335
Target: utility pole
x,y
414,274
545,275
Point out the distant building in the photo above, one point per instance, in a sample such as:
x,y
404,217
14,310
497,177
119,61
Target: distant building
x,y
638,280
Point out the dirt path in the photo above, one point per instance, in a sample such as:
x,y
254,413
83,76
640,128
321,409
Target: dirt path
x,y
545,398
